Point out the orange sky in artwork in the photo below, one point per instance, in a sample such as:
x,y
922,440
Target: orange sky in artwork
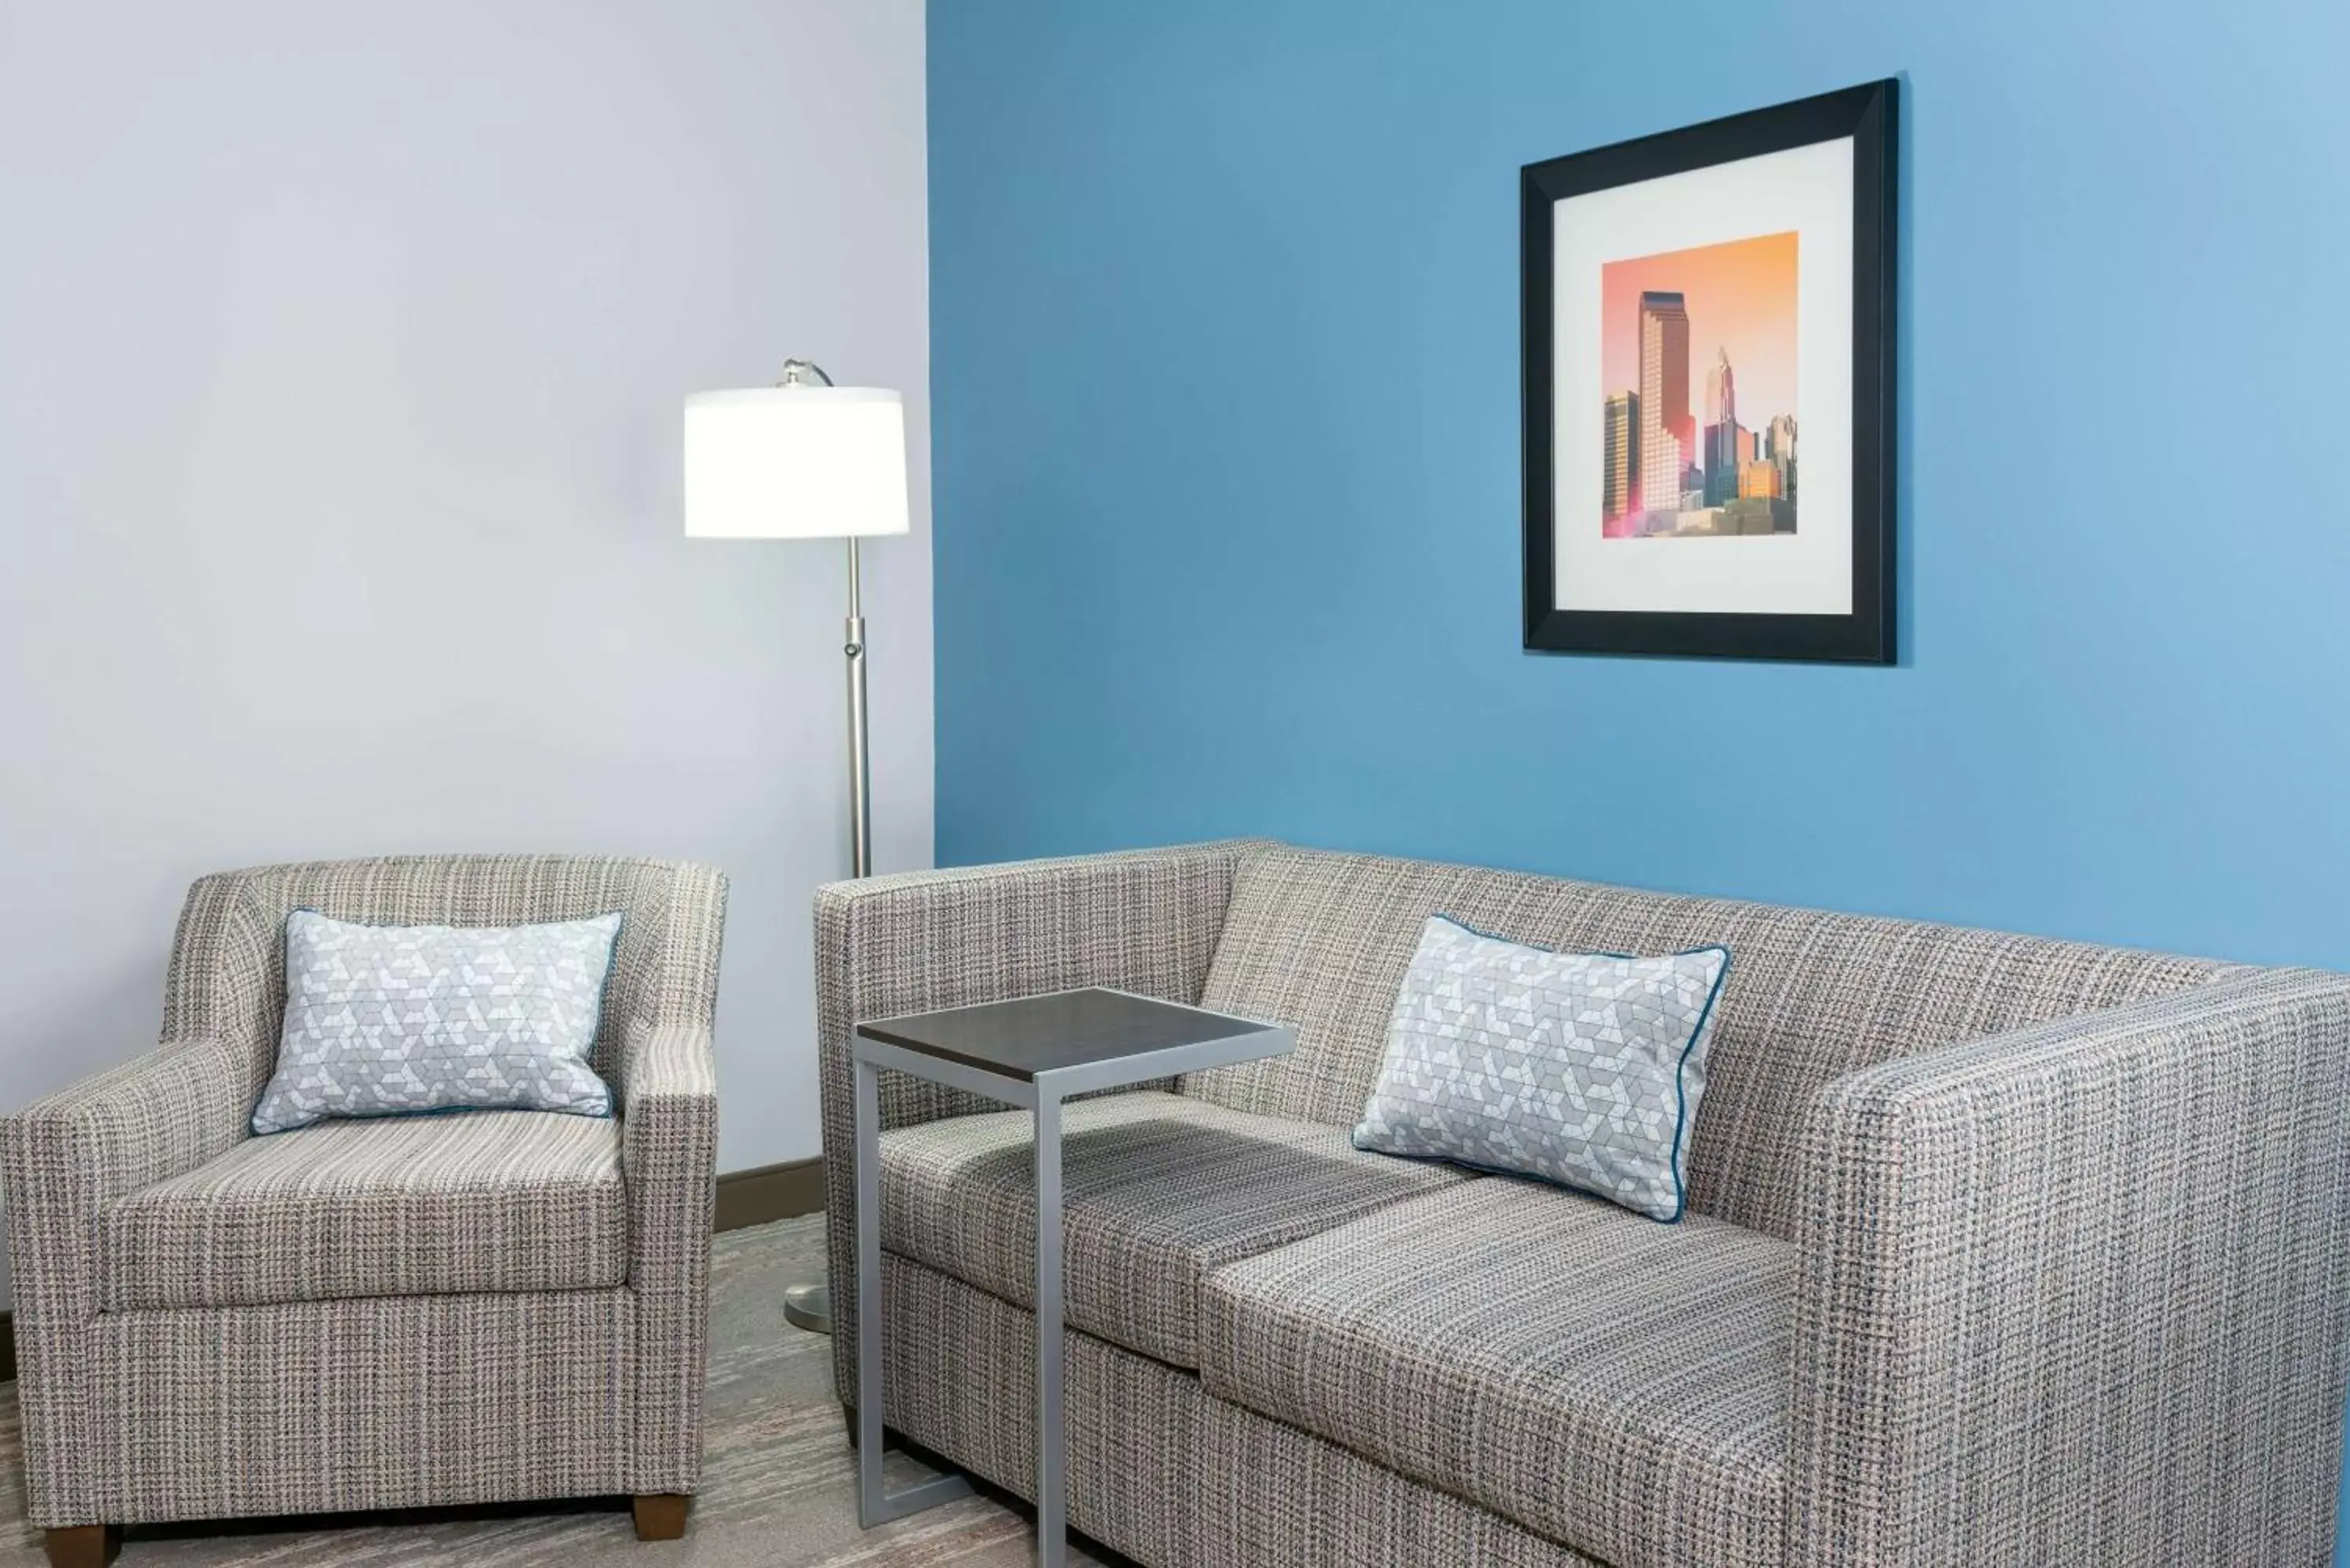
x,y
1741,297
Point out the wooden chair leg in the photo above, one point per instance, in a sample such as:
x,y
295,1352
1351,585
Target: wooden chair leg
x,y
661,1517
83,1545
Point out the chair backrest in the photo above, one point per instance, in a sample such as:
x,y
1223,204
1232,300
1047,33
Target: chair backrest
x,y
228,963
1320,941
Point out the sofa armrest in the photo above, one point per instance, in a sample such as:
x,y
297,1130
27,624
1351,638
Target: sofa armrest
x,y
1144,920
62,1159
667,1097
2080,1294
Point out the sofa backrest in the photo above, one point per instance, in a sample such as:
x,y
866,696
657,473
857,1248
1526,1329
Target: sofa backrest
x,y
1320,941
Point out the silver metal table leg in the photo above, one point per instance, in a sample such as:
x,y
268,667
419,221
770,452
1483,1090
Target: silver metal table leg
x,y
874,1506
1052,1456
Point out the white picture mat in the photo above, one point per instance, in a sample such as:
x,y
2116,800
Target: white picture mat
x,y
1808,572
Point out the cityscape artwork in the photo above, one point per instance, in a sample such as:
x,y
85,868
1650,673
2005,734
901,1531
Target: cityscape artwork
x,y
1708,319
1697,391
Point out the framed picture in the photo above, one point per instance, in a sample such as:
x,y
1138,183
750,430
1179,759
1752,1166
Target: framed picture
x,y
1709,338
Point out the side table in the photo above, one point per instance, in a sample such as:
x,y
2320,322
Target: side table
x,y
1035,1052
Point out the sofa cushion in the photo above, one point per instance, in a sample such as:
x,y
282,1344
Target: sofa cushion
x,y
1320,941
442,1205
1613,1385
1157,1190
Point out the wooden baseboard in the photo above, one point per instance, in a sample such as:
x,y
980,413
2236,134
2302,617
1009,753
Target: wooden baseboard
x,y
755,1197
770,1192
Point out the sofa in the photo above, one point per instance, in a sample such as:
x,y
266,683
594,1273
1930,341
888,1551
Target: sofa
x,y
1999,1249
500,1306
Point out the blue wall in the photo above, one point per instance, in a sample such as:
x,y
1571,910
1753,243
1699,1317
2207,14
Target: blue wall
x,y
1224,343
1224,372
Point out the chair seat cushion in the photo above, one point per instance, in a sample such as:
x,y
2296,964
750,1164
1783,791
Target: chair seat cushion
x,y
1615,1385
1157,1190
435,1205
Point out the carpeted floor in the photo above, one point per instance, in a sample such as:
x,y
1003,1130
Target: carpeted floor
x,y
777,1487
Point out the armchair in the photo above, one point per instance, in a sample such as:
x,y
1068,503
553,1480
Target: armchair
x,y
499,1307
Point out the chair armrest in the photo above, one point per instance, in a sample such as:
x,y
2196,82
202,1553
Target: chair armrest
x,y
667,1095
1144,920
64,1157
2080,1294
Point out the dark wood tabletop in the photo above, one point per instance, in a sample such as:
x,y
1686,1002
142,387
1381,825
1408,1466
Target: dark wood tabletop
x,y
1033,1034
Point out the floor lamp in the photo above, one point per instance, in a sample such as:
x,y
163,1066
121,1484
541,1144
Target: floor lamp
x,y
806,459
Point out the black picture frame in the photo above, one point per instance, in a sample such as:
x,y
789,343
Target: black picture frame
x,y
1870,116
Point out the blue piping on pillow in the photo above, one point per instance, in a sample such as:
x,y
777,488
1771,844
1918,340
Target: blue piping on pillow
x,y
1681,1092
1680,1067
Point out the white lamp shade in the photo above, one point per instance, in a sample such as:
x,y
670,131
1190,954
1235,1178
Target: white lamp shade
x,y
794,463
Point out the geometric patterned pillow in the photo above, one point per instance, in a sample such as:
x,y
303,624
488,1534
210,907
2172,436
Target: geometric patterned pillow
x,y
397,1020
1582,1069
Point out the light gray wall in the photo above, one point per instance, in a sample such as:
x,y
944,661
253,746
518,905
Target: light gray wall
x,y
341,353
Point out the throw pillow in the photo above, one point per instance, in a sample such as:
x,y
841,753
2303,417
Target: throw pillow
x,y
398,1020
1581,1069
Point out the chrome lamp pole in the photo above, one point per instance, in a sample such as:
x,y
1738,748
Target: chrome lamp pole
x,y
796,373
805,459
861,762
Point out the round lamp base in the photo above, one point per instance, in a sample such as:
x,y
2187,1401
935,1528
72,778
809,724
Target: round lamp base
x,y
809,1307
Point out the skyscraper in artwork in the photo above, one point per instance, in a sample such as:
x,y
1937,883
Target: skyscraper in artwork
x,y
1782,452
1666,430
1721,431
1619,464
1697,384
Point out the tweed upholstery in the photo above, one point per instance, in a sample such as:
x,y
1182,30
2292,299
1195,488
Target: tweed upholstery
x,y
1320,941
61,1159
1158,1469
1145,921
668,1084
2080,1294
186,1411
1603,1380
1274,1497
390,1402
498,1200
1157,1191
961,1380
